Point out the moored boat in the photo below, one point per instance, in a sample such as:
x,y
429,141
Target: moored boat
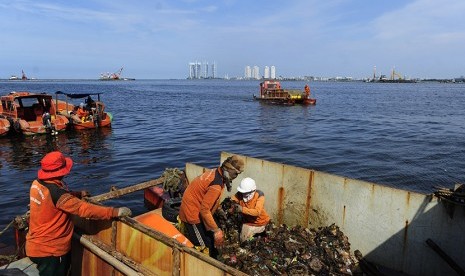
x,y
4,126
399,232
272,92
95,116
32,113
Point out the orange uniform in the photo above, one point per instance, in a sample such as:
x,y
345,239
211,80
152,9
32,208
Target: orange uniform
x,y
81,112
50,225
202,198
253,211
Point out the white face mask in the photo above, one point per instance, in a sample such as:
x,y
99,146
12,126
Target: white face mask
x,y
247,197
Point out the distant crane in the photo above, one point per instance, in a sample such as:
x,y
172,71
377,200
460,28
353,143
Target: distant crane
x,y
394,74
23,75
113,76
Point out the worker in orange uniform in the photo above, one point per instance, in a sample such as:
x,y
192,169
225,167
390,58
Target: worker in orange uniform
x,y
200,201
251,204
307,91
48,241
81,112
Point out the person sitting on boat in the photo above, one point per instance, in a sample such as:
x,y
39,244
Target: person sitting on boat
x,y
307,91
250,202
48,241
82,113
200,201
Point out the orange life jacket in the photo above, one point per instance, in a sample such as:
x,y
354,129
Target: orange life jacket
x,y
253,211
50,225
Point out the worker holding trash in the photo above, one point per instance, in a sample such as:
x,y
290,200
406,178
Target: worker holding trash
x,y
200,201
250,202
48,241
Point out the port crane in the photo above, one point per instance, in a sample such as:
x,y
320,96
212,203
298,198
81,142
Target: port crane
x,y
113,76
394,74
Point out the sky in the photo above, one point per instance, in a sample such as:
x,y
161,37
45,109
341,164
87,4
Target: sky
x,y
154,39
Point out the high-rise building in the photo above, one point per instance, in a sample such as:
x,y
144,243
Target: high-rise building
x,y
247,72
273,72
256,72
266,72
214,70
199,70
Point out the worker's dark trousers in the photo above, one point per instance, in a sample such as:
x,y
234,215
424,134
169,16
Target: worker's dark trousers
x,y
199,236
53,266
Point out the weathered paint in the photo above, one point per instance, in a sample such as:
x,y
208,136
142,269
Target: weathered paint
x,y
280,205
309,199
389,226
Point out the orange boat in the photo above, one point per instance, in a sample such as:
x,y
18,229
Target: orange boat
x,y
271,92
32,113
96,116
4,126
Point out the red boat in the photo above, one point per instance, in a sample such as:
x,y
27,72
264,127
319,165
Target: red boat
x,y
97,116
271,92
32,113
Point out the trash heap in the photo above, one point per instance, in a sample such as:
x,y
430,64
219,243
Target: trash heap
x,y
285,250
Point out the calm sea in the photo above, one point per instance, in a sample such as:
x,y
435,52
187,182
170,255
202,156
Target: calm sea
x,y
402,135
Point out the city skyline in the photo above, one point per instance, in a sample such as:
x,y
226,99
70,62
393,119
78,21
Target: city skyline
x,y
154,40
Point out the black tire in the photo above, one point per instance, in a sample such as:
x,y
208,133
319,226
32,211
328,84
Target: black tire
x,y
170,209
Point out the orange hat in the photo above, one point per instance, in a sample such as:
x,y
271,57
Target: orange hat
x,y
54,164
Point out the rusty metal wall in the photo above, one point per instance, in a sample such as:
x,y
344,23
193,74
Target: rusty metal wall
x,y
389,226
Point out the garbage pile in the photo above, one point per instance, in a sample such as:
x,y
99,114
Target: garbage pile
x,y
285,250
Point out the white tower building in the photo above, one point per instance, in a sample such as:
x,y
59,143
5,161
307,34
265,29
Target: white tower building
x,y
247,72
267,72
256,72
273,72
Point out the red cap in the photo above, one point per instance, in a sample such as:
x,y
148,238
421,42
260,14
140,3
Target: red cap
x,y
54,164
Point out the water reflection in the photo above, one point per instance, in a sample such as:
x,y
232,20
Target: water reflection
x,y
25,152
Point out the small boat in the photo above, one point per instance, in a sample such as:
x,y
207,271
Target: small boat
x,y
4,126
271,92
96,116
32,113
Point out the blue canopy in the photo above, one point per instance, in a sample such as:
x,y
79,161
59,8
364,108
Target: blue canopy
x,y
76,95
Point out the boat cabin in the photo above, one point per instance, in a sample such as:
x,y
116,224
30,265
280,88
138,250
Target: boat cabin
x,y
26,106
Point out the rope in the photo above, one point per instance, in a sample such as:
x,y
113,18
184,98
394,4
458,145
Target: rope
x,y
6,228
172,180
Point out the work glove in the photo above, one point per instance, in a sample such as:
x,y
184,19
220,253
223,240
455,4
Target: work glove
x,y
219,238
238,208
124,212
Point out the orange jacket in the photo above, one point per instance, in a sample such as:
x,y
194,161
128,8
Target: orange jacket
x,y
202,198
253,211
50,225
81,112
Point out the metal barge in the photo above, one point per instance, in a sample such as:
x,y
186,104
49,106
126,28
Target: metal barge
x,y
406,232
271,92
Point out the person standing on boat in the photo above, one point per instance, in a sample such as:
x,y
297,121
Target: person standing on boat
x,y
200,201
307,91
250,203
48,241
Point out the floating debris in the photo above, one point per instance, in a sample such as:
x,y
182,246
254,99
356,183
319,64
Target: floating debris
x,y
285,250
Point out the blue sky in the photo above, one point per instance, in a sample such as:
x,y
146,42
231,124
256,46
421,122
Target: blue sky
x,y
157,39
